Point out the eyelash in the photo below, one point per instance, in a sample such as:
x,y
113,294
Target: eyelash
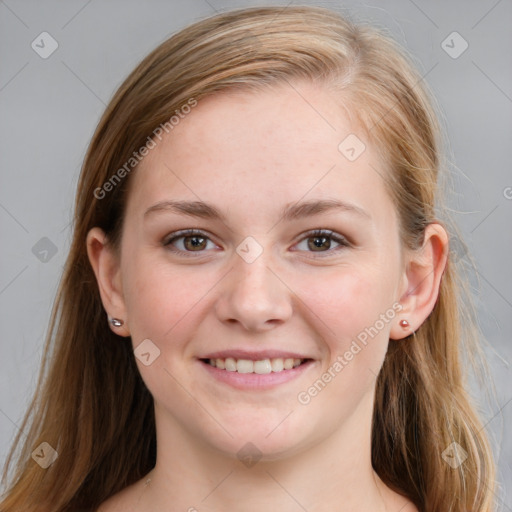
x,y
342,241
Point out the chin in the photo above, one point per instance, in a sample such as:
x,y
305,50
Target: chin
x,y
263,440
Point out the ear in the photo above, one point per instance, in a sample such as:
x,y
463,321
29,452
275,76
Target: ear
x,y
107,270
421,280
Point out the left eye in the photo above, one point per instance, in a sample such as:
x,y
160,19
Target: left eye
x,y
321,239
192,240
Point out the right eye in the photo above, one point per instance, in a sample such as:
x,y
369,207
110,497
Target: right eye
x,y
188,240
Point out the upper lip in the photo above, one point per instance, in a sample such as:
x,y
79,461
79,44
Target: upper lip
x,y
254,355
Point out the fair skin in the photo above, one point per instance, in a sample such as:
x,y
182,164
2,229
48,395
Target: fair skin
x,y
250,155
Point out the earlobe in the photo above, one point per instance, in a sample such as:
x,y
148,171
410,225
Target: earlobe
x,y
422,276
107,270
401,329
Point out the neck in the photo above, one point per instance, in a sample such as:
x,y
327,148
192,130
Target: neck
x,y
334,474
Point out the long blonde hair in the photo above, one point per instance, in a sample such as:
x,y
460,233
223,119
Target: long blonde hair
x,y
91,404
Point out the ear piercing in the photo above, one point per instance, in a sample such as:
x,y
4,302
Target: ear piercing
x,y
115,322
118,323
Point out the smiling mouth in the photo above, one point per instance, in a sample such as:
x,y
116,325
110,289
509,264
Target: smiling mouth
x,y
261,367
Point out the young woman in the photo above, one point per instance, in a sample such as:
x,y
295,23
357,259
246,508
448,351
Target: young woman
x,y
259,309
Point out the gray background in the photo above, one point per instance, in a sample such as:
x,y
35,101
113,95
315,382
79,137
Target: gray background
x,y
50,107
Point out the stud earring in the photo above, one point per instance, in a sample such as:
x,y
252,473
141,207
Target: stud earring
x,y
404,324
115,322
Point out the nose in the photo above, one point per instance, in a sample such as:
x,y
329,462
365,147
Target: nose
x,y
254,296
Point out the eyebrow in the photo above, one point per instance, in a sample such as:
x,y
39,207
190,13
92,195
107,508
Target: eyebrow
x,y
292,211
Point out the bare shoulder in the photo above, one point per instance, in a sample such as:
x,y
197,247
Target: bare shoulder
x,y
115,503
398,502
406,505
125,500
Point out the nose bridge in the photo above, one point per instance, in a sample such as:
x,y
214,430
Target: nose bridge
x,y
254,275
253,295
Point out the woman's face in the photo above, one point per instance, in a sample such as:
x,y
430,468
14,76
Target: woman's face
x,y
255,286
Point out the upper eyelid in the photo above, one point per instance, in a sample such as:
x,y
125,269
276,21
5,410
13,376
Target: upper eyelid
x,y
187,232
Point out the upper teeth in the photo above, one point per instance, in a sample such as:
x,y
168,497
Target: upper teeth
x,y
262,366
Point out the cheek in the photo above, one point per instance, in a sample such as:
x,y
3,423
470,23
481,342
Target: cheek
x,y
163,305
347,300
354,311
353,316
159,296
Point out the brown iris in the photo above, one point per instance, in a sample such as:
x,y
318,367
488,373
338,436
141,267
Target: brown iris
x,y
197,242
315,245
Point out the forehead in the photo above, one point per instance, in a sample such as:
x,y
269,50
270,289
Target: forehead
x,y
263,149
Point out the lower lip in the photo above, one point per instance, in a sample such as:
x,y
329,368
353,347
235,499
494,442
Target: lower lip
x,y
255,381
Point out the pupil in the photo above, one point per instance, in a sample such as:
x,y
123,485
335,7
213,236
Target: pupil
x,y
319,241
194,241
